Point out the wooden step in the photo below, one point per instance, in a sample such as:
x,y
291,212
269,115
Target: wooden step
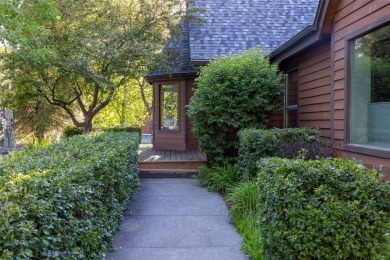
x,y
172,165
167,169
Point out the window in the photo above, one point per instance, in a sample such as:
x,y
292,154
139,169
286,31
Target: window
x,y
369,106
169,107
291,99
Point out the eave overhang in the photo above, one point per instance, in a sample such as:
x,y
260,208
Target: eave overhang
x,y
320,29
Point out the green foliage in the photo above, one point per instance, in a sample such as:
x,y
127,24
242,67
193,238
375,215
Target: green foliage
x,y
70,131
258,143
36,119
243,201
233,92
65,200
218,178
322,209
79,54
118,129
126,108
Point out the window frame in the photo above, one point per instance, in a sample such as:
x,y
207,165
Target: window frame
x,y
285,98
178,107
349,39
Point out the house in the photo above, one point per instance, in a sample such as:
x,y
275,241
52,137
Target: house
x,y
338,78
335,54
230,26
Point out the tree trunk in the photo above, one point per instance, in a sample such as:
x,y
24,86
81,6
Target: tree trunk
x,y
122,118
39,126
7,122
87,124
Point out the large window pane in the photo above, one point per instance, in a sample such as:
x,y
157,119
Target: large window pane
x,y
169,107
370,89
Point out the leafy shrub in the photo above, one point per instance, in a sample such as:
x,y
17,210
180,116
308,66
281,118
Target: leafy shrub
x,y
129,129
65,200
70,131
243,202
218,178
322,209
258,143
233,92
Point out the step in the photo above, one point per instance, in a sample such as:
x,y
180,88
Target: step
x,y
168,169
172,165
156,173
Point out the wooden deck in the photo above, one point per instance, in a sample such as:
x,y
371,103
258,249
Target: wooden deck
x,y
159,162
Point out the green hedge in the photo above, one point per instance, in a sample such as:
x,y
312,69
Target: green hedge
x,y
258,143
322,209
65,200
70,131
129,129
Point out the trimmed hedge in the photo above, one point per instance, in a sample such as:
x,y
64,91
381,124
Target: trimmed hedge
x,y
287,143
70,131
129,129
65,200
322,209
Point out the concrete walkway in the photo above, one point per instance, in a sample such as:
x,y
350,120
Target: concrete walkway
x,y
176,219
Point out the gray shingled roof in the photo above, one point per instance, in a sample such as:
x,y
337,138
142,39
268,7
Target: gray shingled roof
x,y
236,25
232,26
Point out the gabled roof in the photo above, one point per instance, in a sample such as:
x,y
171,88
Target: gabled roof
x,y
236,25
321,28
232,26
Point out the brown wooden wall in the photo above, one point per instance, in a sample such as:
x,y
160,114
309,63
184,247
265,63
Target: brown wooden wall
x,y
314,100
314,89
322,76
183,139
350,17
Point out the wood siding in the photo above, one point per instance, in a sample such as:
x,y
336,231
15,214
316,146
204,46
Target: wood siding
x,y
323,77
182,139
314,89
350,17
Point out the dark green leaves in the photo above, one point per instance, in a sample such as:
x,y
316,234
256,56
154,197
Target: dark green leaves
x,y
66,200
233,92
322,209
258,143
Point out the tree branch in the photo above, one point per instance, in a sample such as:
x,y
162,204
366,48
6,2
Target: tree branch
x,y
94,100
65,108
78,93
144,100
103,104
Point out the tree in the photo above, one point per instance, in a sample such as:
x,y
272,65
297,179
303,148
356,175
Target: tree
x,y
126,108
18,23
38,119
86,50
7,122
233,92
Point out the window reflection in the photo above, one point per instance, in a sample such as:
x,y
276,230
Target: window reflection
x,y
169,107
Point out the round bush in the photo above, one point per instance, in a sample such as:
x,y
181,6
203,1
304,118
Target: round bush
x,y
322,209
233,92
